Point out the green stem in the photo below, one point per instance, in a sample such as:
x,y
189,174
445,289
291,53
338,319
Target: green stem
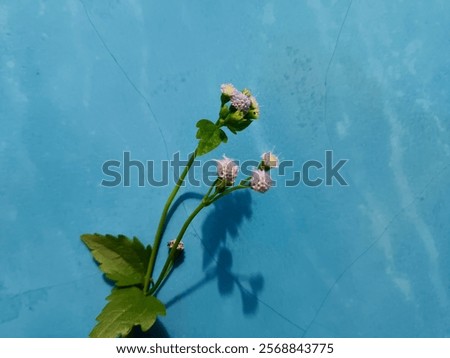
x,y
204,203
162,221
205,198
175,245
217,196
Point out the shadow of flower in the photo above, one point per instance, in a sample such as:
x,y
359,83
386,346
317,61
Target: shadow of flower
x,y
223,221
225,218
249,286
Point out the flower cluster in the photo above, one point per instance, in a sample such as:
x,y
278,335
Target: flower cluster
x,y
243,108
134,295
259,181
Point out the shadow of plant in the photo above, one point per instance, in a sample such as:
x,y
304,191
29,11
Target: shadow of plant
x,y
249,286
156,331
223,221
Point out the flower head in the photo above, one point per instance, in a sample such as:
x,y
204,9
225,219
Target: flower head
x,y
227,170
269,160
261,181
228,89
240,101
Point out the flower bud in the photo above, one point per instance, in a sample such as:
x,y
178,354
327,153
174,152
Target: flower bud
x,y
235,116
253,112
224,110
227,170
260,181
247,92
269,160
254,103
180,246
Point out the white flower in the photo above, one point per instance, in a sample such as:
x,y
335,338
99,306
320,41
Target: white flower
x,y
261,181
227,170
228,89
253,112
270,160
180,246
241,102
254,103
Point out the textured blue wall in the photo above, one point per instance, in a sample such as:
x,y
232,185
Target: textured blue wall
x,y
83,81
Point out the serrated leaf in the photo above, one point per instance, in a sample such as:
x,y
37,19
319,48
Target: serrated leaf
x,y
123,260
127,307
210,136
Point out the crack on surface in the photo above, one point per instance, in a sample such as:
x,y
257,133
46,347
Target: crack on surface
x,y
125,74
372,244
278,313
14,304
49,287
328,70
271,308
193,228
208,277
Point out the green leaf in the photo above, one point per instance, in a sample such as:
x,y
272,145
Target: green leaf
x,y
223,136
121,259
127,307
210,136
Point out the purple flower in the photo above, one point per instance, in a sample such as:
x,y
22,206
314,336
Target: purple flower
x,y
227,170
241,102
261,181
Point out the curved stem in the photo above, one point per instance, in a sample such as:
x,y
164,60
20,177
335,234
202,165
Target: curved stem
x,y
162,221
213,185
241,185
173,250
164,275
206,201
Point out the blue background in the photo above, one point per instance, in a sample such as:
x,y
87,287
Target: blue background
x,y
83,81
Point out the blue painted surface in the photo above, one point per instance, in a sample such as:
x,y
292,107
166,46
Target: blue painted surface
x,y
83,81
